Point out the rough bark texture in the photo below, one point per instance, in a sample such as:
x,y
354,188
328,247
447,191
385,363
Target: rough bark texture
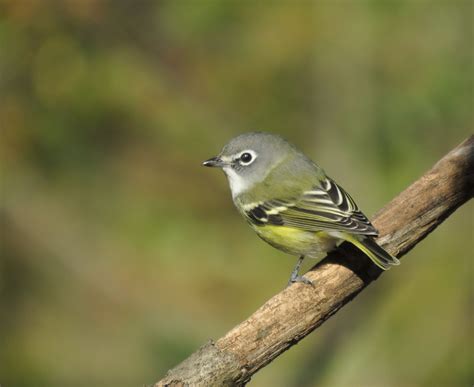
x,y
299,309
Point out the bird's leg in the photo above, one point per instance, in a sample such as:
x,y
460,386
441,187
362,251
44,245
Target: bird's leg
x,y
295,277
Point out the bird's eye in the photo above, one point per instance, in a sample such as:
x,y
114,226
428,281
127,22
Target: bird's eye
x,y
246,158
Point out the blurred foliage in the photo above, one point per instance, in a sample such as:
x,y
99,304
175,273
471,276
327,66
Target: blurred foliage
x,y
120,255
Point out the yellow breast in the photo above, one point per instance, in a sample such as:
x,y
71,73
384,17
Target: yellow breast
x,y
296,241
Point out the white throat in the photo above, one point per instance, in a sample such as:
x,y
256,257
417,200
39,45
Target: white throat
x,y
236,182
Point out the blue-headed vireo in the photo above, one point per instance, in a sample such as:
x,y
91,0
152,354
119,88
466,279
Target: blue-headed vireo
x,y
291,203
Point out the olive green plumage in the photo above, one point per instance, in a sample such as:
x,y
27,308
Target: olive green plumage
x,y
291,203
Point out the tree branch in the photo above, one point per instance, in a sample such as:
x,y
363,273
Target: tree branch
x,y
299,309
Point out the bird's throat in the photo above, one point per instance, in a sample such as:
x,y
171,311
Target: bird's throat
x,y
237,183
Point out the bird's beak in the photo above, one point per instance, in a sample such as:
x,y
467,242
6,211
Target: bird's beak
x,y
214,162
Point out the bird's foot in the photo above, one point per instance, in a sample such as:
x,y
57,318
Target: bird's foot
x,y
295,277
300,278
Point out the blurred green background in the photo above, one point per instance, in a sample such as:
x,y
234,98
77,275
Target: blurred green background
x,y
120,254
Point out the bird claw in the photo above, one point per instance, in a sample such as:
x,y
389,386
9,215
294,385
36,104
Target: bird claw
x,y
300,278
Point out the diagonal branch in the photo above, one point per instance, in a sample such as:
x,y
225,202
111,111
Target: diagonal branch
x,y
299,309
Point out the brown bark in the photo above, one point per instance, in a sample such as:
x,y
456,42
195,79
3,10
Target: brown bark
x,y
299,309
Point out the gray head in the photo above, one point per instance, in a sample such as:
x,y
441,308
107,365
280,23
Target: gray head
x,y
248,158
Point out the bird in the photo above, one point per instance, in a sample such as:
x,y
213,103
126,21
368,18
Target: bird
x,y
291,203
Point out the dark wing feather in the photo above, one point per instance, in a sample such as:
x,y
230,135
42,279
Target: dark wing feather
x,y
326,207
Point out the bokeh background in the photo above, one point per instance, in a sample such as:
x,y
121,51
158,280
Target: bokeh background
x,y
121,255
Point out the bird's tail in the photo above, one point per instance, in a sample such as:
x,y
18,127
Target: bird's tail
x,y
376,253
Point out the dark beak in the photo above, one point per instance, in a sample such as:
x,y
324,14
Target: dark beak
x,y
214,162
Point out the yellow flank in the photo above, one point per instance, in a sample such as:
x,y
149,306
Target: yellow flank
x,y
296,241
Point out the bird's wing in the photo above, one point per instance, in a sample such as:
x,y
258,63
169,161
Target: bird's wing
x,y
325,207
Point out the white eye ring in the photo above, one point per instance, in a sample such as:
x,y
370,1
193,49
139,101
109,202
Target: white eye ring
x,y
247,157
